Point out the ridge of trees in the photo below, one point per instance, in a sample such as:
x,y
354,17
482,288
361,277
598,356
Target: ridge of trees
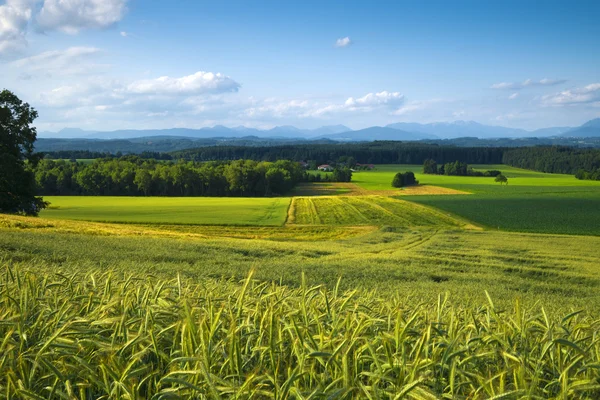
x,y
378,152
456,168
583,163
134,176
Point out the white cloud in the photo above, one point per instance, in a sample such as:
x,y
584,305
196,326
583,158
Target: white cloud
x,y
285,108
583,95
343,42
60,62
415,106
527,83
72,16
375,99
124,34
409,108
14,18
90,94
198,83
69,16
513,96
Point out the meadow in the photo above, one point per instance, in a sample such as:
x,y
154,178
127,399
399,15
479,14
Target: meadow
x,y
381,177
531,202
169,210
341,291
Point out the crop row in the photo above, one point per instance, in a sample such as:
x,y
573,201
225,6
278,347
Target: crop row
x,y
365,210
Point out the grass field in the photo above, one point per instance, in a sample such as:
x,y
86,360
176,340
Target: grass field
x,y
415,261
170,210
365,210
381,178
531,202
343,291
133,338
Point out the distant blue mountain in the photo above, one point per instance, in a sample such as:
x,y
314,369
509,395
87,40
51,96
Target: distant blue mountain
x,y
202,133
456,129
396,131
589,129
379,133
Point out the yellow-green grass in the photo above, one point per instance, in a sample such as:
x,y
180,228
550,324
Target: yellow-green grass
x,y
558,271
170,210
365,210
116,335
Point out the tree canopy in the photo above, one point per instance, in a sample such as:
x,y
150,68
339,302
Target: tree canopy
x,y
404,179
501,178
17,136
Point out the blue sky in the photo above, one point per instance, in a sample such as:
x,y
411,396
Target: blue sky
x,y
112,64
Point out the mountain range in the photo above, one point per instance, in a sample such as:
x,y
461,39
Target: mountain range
x,y
397,131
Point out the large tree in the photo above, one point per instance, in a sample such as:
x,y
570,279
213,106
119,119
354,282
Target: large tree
x,y
17,135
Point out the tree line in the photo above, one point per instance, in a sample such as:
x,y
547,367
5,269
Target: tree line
x,y
378,152
583,163
456,168
134,176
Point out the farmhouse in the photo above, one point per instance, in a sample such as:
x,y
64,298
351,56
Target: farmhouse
x,y
325,167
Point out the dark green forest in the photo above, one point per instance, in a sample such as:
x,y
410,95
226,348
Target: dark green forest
x,y
583,163
379,152
134,176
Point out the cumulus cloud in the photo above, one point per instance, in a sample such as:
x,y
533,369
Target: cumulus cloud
x,y
72,16
513,96
69,16
14,18
370,102
582,95
343,42
198,83
188,95
527,83
375,99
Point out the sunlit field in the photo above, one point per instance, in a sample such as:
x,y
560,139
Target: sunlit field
x,y
351,290
531,202
381,177
170,210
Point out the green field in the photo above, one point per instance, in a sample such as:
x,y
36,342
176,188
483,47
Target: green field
x,y
381,178
341,291
170,210
366,210
531,202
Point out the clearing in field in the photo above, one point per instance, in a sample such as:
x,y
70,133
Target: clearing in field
x,y
170,210
364,210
